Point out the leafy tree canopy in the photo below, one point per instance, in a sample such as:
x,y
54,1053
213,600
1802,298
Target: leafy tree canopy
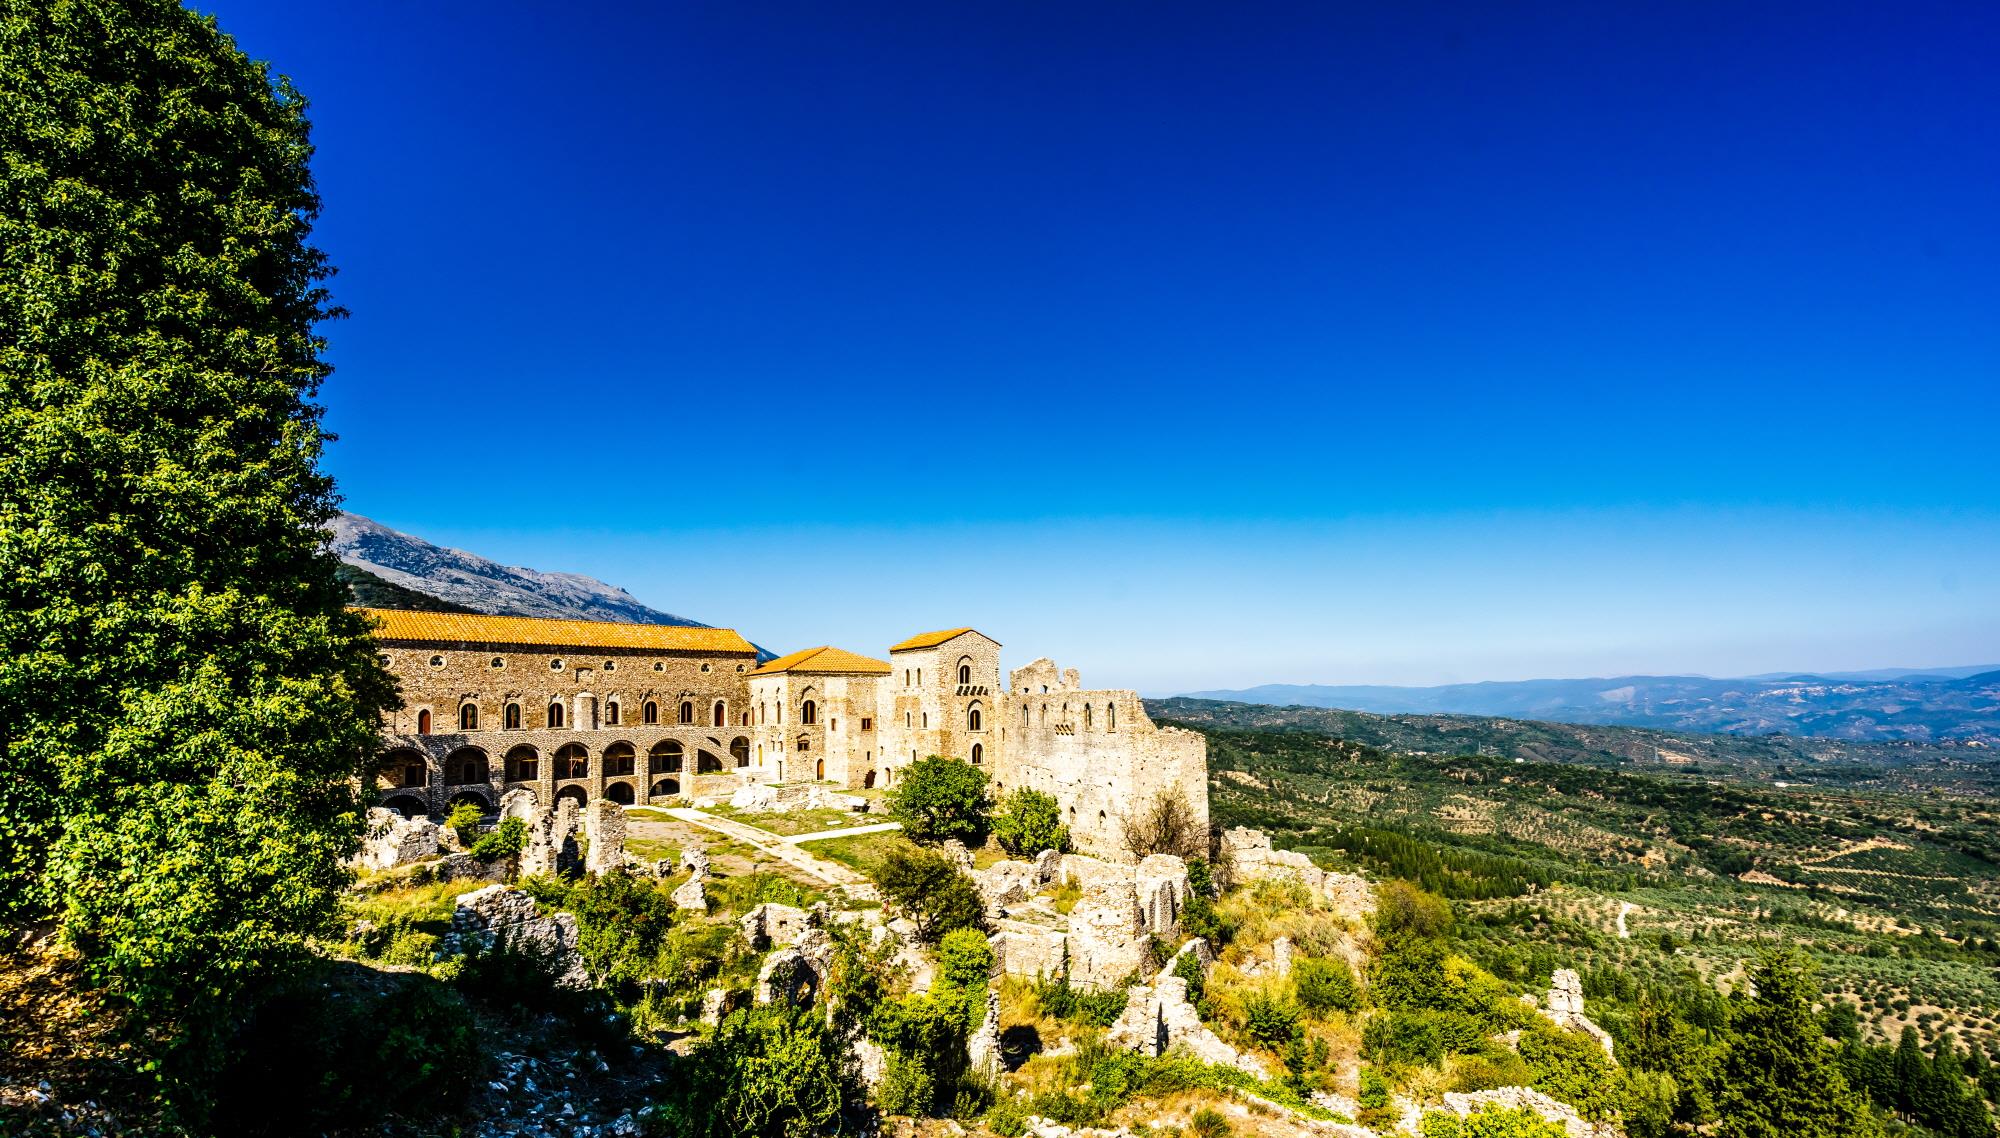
x,y
939,798
1029,822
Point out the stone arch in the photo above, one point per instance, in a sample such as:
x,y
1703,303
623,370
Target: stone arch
x,y
405,768
575,793
612,712
666,787
619,758
408,805
475,796
619,792
975,718
555,713
468,716
978,753
868,780
423,721
465,766
719,714
524,764
739,749
707,763
650,713
572,761
687,711
511,717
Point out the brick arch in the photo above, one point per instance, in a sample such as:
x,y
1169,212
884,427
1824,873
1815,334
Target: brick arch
x,y
404,768
467,766
572,760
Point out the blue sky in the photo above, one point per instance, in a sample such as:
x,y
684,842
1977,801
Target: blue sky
x,y
1194,345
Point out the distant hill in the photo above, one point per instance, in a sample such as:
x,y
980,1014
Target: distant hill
x,y
1964,767
397,570
1927,706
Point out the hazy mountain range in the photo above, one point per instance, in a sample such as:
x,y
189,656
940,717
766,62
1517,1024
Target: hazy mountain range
x,y
1931,705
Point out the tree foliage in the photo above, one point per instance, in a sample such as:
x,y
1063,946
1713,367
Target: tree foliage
x,y
770,1072
187,702
1492,1122
1779,1077
939,798
928,888
1029,822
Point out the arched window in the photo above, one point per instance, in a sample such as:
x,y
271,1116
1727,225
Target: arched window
x,y
1086,717
819,769
908,721
572,761
666,788
618,759
512,717
927,720
965,673
667,757
721,715
761,717
611,713
978,753
619,792
687,711
424,721
468,717
555,715
739,749
809,712
1024,715
1111,717
650,712
465,765
405,768
523,764
974,721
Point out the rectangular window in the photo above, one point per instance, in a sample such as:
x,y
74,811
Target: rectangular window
x,y
867,724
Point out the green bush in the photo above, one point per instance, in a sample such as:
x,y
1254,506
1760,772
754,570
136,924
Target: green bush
x,y
1029,822
939,798
1271,1020
928,888
1208,1123
1188,967
507,840
769,1072
1324,984
464,821
1490,1123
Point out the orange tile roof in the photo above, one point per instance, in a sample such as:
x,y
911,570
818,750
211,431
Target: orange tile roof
x,y
931,639
479,628
824,661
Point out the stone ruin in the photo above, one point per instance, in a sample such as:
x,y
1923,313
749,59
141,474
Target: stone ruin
x,y
1159,1017
1105,938
763,798
507,917
692,894
1565,1009
394,840
1247,856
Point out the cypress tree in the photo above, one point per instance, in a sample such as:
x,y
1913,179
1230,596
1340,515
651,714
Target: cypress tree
x,y
1779,1075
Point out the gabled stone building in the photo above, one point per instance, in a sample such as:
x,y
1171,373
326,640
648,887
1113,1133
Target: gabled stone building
x,y
638,713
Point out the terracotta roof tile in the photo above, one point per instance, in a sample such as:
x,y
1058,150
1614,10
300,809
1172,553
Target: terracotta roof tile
x,y
929,639
825,661
479,628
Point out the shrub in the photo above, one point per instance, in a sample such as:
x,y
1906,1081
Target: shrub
x,y
1404,912
1208,1123
1099,1006
1166,825
1271,1020
1188,967
464,821
940,798
508,840
931,892
1490,1123
1029,822
1324,985
769,1072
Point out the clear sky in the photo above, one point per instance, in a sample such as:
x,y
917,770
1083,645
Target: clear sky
x,y
1194,345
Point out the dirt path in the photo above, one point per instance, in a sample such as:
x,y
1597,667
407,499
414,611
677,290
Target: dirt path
x,y
833,873
1625,907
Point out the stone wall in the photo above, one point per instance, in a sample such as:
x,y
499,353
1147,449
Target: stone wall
x,y
1097,752
925,710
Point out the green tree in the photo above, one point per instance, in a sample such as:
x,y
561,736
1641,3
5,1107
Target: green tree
x,y
770,1072
1778,1075
939,798
1029,822
188,703
930,890
1324,984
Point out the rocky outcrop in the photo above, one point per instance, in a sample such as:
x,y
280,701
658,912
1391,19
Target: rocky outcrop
x,y
1281,956
1565,1009
1107,941
504,917
1248,856
551,842
1467,1103
1159,1018
394,840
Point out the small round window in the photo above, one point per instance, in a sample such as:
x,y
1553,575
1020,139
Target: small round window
x,y
385,659
659,667
499,661
437,661
555,665
704,667
739,667
611,665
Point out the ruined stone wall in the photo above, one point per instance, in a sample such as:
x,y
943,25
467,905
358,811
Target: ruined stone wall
x,y
1097,753
602,695
925,710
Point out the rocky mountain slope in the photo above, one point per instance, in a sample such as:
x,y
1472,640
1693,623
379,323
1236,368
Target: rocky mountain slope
x,y
1932,706
481,585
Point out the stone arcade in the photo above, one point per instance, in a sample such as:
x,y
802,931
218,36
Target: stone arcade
x,y
634,713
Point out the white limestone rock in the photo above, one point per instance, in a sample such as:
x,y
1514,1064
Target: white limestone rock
x,y
1466,1103
1565,1010
500,915
1281,956
1158,1018
773,925
605,824
1107,935
690,896
1161,882
394,840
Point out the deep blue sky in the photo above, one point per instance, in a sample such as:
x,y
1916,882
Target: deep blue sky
x,y
1197,345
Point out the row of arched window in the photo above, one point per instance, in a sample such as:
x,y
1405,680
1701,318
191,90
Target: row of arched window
x,y
1089,716
558,714
469,765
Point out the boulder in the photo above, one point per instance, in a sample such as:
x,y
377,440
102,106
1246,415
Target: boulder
x,y
756,798
502,916
518,803
1048,868
690,896
1005,883
1565,1010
